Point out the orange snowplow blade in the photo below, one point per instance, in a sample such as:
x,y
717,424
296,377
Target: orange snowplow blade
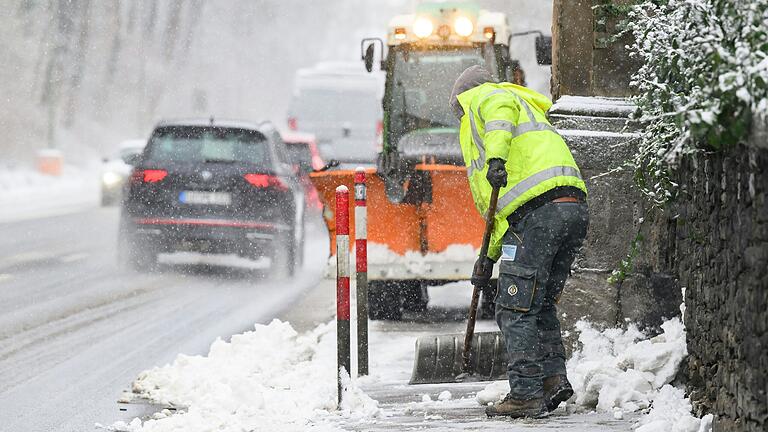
x,y
450,219
397,226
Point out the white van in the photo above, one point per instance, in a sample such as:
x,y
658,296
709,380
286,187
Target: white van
x,y
340,103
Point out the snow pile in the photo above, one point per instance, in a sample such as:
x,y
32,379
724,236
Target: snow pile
x,y
623,371
493,392
270,378
671,412
619,368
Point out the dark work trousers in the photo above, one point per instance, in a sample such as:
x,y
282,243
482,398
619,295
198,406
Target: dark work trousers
x,y
537,254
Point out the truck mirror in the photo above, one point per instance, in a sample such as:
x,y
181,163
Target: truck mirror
x,y
368,51
368,58
544,50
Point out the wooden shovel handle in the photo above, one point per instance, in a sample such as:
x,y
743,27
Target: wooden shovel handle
x,y
472,316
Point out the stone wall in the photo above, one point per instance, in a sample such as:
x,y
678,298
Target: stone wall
x,y
600,137
711,242
719,250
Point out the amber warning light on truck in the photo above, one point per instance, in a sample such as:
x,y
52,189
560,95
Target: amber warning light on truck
x,y
448,25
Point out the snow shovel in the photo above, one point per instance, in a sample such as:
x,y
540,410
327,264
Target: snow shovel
x,y
468,357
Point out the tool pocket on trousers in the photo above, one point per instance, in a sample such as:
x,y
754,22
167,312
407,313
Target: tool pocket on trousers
x,y
517,286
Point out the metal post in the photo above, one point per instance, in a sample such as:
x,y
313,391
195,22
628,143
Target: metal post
x,y
342,286
361,258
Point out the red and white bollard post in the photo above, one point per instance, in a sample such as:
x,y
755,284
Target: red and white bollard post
x,y
343,359
361,258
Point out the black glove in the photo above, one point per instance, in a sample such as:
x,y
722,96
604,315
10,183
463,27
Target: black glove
x,y
481,275
497,173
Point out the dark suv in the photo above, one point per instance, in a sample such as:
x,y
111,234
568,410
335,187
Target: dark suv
x,y
213,187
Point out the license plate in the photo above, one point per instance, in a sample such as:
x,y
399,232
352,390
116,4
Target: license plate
x,y
205,198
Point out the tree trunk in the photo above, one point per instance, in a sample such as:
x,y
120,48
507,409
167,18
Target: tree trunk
x,y
78,63
117,43
55,69
172,29
151,20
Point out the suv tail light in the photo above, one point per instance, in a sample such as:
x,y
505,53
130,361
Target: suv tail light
x,y
265,181
293,124
148,176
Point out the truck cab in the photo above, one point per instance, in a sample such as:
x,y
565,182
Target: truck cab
x,y
426,52
423,228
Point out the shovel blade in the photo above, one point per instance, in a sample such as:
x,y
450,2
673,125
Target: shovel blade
x,y
439,359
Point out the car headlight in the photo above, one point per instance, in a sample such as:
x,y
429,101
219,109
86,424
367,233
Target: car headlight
x,y
111,179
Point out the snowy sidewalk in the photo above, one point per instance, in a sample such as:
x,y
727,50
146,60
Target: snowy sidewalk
x,y
402,409
448,407
277,379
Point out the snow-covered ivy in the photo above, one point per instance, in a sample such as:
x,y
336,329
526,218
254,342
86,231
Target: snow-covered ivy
x,y
704,78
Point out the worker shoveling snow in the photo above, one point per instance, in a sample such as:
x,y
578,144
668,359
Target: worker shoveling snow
x,y
270,378
622,371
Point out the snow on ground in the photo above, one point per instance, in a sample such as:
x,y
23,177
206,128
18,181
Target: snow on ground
x,y
671,412
619,368
273,378
623,371
270,378
28,194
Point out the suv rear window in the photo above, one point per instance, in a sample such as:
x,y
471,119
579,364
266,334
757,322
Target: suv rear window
x,y
208,144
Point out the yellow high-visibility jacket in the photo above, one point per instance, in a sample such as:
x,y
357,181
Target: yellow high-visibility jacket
x,y
508,121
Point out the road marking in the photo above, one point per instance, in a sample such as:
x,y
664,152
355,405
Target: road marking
x,y
5,277
26,257
73,257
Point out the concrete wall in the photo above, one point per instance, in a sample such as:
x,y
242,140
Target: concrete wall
x,y
584,62
600,137
720,252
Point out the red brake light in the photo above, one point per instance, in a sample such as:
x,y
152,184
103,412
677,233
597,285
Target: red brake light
x,y
292,124
154,175
265,181
148,176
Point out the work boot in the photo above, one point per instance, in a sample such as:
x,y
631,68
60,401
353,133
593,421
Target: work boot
x,y
515,408
556,389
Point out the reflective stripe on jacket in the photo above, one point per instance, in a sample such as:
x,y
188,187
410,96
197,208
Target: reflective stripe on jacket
x,y
508,122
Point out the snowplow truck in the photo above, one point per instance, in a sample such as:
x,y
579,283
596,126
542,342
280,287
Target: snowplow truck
x,y
423,228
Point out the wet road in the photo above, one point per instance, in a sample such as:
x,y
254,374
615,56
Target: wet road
x,y
75,328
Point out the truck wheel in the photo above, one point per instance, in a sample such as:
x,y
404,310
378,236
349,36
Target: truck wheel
x,y
415,296
384,301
